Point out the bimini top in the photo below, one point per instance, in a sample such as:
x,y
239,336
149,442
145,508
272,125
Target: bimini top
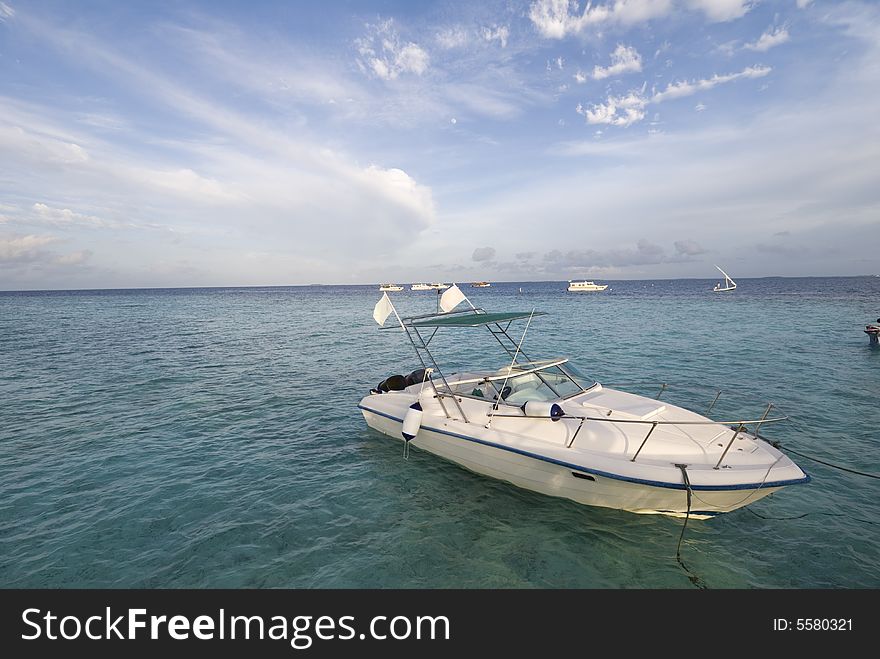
x,y
469,318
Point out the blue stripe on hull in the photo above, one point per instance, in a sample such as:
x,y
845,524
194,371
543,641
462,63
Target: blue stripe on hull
x,y
605,474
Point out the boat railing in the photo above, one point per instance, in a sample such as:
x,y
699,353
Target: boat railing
x,y
692,389
740,425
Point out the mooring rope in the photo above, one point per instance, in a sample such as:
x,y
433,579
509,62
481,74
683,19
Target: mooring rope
x,y
694,579
806,431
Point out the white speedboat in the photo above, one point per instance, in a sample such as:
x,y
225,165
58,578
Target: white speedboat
x,y
729,284
546,427
421,287
585,287
873,332
390,287
440,286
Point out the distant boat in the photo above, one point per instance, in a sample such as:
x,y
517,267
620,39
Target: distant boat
x,y
585,286
390,287
729,284
481,284
420,287
873,332
439,287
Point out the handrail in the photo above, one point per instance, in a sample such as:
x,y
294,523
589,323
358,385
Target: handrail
x,y
708,422
654,423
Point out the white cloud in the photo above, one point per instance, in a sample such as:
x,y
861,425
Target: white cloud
x,y
17,248
452,37
66,217
189,183
74,258
720,11
498,33
699,107
624,59
396,186
386,56
684,88
556,19
768,40
616,111
580,77
803,4
6,11
483,100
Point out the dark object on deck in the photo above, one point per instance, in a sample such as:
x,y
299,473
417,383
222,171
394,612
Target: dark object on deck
x,y
416,377
392,383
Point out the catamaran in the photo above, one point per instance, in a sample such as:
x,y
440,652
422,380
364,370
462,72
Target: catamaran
x,y
544,426
729,284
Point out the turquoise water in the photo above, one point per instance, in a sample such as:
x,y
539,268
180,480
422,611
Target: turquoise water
x,y
211,438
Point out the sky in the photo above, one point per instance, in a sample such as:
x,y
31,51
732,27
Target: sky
x,y
283,143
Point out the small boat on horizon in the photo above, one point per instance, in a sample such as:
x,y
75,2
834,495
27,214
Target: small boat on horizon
x,y
420,287
480,284
873,332
440,286
585,286
390,287
729,284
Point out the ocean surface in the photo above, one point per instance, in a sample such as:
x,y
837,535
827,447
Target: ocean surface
x,y
211,438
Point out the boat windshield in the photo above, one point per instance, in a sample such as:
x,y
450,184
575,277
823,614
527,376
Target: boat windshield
x,y
531,381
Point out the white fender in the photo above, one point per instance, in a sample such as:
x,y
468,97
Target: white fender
x,y
543,409
412,421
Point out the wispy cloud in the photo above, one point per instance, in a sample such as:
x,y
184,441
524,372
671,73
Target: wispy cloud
x,y
74,258
556,19
770,38
499,33
627,109
721,11
688,88
6,12
451,37
386,56
19,248
64,217
624,59
617,110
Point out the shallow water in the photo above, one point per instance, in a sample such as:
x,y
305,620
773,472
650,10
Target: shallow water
x,y
211,438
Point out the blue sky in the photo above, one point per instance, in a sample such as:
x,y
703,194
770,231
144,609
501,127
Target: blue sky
x,y
275,143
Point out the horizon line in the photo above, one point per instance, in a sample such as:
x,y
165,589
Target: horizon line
x,y
522,281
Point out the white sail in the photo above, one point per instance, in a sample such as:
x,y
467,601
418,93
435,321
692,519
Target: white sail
x,y
729,284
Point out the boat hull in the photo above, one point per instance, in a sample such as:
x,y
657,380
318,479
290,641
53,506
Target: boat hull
x,y
566,481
